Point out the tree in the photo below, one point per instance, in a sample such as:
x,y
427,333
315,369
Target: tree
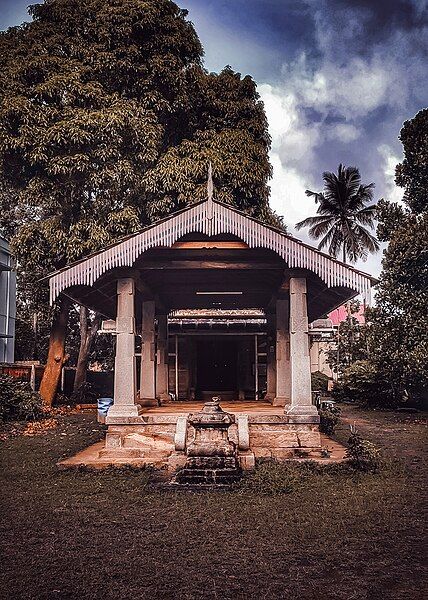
x,y
396,367
88,331
342,215
412,173
351,343
399,322
108,121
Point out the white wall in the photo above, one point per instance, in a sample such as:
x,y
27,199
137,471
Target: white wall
x,y
7,304
319,358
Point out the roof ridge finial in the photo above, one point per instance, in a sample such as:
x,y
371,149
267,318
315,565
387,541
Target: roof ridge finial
x,y
210,189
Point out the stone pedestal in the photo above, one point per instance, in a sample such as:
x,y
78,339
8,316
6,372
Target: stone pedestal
x,y
211,456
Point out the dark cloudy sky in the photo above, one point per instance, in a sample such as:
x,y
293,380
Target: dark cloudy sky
x,y
338,78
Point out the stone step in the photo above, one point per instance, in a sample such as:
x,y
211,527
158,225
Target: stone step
x,y
192,476
150,456
212,462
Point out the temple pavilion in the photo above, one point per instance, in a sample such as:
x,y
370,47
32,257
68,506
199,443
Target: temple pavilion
x,y
210,302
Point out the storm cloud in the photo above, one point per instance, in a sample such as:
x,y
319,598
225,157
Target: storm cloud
x,y
338,79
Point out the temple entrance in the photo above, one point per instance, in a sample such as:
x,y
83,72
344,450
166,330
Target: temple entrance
x,y
216,368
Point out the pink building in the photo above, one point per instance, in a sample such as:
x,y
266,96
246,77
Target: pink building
x,y
339,314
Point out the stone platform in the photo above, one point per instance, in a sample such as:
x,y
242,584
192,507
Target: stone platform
x,y
160,436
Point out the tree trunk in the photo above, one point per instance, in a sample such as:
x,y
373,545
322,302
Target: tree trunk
x,y
87,335
56,354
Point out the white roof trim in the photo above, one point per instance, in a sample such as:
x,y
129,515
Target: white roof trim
x,y
211,218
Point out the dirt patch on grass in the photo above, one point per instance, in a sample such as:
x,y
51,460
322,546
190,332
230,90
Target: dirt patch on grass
x,y
400,435
89,535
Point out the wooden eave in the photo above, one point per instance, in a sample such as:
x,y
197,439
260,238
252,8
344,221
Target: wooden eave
x,y
91,280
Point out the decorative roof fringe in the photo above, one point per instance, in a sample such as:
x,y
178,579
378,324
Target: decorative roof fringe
x,y
211,218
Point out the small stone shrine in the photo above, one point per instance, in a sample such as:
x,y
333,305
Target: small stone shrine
x,y
211,456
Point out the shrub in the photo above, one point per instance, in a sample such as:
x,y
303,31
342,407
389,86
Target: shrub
x,y
362,454
329,418
18,402
270,478
84,394
319,381
361,382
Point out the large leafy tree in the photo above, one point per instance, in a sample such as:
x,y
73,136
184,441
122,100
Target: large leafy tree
x,y
108,121
399,322
345,210
412,173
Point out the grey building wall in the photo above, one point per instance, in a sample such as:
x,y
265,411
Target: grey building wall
x,y
7,304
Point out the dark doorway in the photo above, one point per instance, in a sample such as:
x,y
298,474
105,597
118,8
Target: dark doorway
x,y
216,366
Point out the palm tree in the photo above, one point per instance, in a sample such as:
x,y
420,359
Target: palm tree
x,y
342,214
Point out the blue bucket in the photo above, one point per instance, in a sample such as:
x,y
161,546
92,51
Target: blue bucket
x,y
103,406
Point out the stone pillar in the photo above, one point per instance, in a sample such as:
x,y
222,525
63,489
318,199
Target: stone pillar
x,y
282,397
125,381
162,360
245,375
271,359
148,355
301,410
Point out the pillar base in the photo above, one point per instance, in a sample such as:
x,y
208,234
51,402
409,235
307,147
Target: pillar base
x,y
280,401
123,411
148,402
164,399
302,413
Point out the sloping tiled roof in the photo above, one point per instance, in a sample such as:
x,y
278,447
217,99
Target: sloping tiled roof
x,y
211,218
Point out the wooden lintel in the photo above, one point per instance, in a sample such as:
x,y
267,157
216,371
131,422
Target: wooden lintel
x,y
210,244
208,264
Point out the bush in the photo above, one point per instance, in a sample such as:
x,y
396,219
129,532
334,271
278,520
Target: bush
x,y
361,382
270,478
84,394
329,418
362,454
18,402
319,381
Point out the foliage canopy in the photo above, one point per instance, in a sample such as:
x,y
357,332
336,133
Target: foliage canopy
x,y
391,365
108,121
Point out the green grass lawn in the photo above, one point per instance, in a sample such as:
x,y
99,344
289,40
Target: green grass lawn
x,y
337,535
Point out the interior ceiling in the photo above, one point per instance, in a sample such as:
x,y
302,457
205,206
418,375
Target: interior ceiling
x,y
175,277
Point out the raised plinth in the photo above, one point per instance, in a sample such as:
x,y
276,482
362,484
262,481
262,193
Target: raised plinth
x,y
165,436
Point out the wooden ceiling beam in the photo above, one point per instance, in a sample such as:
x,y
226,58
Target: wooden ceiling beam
x,y
180,265
210,244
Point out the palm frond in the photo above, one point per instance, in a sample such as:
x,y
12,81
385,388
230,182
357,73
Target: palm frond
x,y
319,196
333,239
366,215
353,247
309,222
320,228
367,240
326,239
